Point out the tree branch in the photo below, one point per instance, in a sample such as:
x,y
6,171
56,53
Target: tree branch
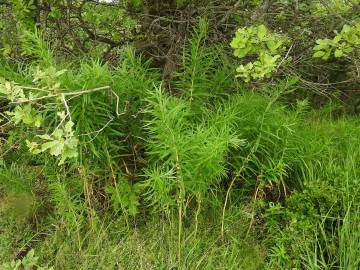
x,y
92,35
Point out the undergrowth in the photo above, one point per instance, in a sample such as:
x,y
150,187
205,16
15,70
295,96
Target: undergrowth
x,y
208,175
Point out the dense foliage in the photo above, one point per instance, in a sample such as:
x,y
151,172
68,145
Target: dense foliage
x,y
179,134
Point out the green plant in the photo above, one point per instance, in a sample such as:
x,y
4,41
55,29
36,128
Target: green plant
x,y
195,154
30,261
124,197
34,45
341,45
186,150
26,12
263,45
339,248
197,64
30,106
167,161
340,6
159,188
61,141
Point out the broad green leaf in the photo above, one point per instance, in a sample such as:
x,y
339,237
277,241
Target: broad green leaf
x,y
338,53
242,52
45,137
326,55
57,149
320,47
262,31
346,28
273,45
31,145
36,151
72,143
58,133
38,120
48,145
325,41
337,38
348,49
319,54
68,127
62,115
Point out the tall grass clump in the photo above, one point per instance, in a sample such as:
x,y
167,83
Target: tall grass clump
x,y
318,210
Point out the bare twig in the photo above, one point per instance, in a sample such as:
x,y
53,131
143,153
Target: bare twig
x,y
97,132
33,99
227,14
94,36
66,106
287,54
34,88
75,93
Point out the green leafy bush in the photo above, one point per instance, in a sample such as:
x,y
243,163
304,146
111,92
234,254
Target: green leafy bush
x,y
263,45
341,45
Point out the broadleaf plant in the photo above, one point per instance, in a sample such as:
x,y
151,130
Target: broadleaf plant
x,y
341,45
263,49
30,106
